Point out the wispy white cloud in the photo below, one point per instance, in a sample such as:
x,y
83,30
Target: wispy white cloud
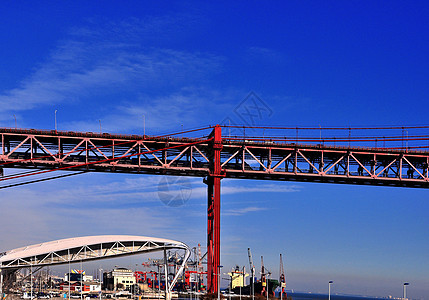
x,y
261,188
93,204
115,59
98,190
243,210
146,189
187,106
28,216
113,67
56,81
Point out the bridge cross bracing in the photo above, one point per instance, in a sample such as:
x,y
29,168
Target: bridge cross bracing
x,y
214,156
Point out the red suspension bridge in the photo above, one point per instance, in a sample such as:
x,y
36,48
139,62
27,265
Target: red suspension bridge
x,y
383,156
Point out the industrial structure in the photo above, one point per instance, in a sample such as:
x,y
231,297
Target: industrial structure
x,y
212,156
237,278
83,249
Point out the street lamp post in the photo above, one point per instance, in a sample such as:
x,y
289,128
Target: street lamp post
x,y
55,121
135,288
218,281
31,279
159,282
407,139
68,277
81,279
144,126
329,291
404,291
99,279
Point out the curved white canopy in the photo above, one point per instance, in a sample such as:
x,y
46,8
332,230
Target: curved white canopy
x,y
84,248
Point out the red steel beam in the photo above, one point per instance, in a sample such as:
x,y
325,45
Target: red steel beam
x,y
213,211
211,269
46,151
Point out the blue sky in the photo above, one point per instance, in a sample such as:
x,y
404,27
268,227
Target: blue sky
x,y
328,63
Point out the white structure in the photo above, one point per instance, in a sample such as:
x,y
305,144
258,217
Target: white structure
x,y
120,279
88,248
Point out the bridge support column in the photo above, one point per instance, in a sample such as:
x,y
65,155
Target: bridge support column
x,y
213,212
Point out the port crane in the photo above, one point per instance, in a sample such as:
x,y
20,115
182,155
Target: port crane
x,y
142,276
195,270
171,260
264,276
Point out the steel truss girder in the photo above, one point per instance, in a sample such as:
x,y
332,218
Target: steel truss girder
x,y
326,164
112,154
194,157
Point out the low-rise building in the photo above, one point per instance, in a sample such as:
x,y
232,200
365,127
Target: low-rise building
x,y
77,275
76,286
119,279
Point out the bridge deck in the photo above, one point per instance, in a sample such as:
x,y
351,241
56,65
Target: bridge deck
x,y
246,159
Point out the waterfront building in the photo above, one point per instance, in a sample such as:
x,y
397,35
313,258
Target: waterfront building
x,y
77,275
119,279
75,286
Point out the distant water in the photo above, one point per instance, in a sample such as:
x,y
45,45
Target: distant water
x,y
308,296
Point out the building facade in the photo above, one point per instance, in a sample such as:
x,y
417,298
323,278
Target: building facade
x,y
119,279
76,286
